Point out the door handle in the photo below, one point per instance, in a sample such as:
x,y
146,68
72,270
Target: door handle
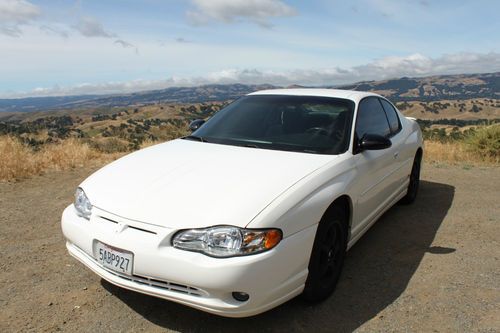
x,y
396,154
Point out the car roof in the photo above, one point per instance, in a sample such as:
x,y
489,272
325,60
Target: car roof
x,y
319,92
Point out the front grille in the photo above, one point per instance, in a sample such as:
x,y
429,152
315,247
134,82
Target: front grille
x,y
155,283
165,285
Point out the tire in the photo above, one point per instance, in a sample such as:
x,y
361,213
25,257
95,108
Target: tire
x,y
327,256
411,195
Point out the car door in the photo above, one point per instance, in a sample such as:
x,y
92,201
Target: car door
x,y
376,178
401,156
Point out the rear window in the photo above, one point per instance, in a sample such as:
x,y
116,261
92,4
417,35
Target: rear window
x,y
392,116
371,119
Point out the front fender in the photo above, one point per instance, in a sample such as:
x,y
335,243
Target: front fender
x,y
304,204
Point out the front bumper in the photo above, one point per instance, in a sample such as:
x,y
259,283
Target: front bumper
x,y
190,278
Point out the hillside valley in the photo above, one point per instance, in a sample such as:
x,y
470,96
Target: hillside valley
x,y
127,122
425,89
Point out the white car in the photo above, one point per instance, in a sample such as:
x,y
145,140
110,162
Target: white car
x,y
257,206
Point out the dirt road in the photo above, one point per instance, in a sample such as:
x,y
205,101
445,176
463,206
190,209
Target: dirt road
x,y
431,266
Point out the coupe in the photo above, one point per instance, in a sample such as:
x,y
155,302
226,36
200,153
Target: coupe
x,y
257,206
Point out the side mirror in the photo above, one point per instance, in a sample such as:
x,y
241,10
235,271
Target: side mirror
x,y
373,142
195,124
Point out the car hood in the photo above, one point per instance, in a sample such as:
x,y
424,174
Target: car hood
x,y
189,184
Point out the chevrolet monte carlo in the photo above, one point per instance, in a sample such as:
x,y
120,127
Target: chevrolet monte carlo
x,y
258,205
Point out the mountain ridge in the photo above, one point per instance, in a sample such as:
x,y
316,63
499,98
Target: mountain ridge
x,y
430,88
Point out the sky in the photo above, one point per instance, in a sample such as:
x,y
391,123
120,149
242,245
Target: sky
x,y
57,47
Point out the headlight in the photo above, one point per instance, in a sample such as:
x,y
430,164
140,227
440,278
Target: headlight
x,y
227,241
82,204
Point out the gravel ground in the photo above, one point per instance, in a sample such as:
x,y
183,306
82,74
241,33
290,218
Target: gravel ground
x,y
429,267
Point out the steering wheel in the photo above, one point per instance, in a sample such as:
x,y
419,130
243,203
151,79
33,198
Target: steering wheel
x,y
317,130
338,135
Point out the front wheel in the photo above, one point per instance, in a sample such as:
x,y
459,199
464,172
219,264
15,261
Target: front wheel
x,y
327,256
411,195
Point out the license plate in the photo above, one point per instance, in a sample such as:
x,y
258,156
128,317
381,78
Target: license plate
x,y
114,259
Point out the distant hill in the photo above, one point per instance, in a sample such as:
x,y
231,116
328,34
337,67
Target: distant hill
x,y
206,93
426,89
41,103
434,88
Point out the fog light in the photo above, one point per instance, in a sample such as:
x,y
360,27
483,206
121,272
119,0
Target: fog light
x,y
240,296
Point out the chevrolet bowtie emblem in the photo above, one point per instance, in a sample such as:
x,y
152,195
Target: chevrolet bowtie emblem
x,y
120,227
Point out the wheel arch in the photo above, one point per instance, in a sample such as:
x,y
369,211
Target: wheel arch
x,y
419,153
345,202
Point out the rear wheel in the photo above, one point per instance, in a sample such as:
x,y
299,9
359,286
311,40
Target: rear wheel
x,y
411,195
327,257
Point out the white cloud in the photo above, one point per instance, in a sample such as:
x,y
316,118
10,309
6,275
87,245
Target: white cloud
x,y
11,31
18,11
54,30
182,40
91,27
101,88
419,65
126,45
390,67
229,11
123,43
14,13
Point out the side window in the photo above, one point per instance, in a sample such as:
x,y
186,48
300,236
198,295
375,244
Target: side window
x,y
371,118
392,116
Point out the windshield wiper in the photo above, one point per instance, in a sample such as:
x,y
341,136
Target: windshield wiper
x,y
311,151
195,138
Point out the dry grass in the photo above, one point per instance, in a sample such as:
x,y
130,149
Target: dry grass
x,y
15,159
68,154
148,143
18,161
456,153
449,152
482,147
108,145
486,142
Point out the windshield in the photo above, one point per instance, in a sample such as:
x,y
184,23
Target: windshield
x,y
307,124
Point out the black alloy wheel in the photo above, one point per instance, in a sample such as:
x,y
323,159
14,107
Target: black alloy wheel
x,y
413,186
327,256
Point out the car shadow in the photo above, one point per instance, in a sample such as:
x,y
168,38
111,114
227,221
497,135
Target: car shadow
x,y
377,270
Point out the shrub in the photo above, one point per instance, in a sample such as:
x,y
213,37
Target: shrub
x,y
109,145
20,161
486,142
16,161
477,146
68,154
